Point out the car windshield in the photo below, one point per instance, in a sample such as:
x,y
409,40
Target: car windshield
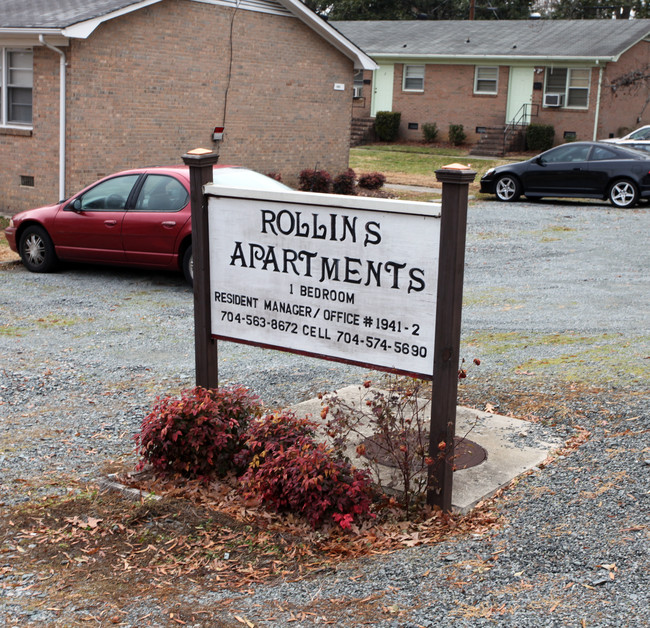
x,y
244,178
640,134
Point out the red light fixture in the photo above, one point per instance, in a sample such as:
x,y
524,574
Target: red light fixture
x,y
217,134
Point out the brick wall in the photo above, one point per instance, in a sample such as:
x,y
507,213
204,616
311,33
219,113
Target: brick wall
x,y
147,87
625,108
449,98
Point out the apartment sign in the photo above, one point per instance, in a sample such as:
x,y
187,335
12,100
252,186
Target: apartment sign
x,y
350,279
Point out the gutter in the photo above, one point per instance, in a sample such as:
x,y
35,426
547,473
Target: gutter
x,y
597,116
482,58
62,114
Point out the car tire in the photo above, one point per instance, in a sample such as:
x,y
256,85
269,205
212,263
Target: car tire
x,y
623,193
188,265
37,250
507,188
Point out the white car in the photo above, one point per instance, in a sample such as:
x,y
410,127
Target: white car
x,y
642,133
643,145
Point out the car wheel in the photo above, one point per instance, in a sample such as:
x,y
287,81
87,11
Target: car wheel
x,y
36,250
188,265
507,188
623,194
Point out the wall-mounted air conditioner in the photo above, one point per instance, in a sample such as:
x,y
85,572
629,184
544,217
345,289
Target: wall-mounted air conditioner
x,y
356,91
553,100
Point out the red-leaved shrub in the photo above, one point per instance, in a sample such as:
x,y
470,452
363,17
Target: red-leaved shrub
x,y
289,471
314,181
372,180
198,434
344,183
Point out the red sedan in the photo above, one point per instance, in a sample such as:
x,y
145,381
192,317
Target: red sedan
x,y
138,217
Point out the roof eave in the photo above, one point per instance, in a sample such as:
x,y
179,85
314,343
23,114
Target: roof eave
x,y
30,36
510,59
83,30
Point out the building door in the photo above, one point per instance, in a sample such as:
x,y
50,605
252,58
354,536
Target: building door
x,y
520,92
382,89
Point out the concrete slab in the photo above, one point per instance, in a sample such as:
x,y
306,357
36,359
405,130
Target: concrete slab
x,y
513,447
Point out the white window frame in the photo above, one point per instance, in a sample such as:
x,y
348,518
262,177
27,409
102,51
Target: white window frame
x,y
490,79
569,88
6,87
415,74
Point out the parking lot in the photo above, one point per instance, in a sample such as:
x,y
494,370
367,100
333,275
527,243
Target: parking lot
x,y
556,301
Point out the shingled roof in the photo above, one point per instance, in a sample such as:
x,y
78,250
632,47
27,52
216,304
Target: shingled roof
x,y
540,39
56,13
64,19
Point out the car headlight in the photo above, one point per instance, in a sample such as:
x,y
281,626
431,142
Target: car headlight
x,y
11,223
489,172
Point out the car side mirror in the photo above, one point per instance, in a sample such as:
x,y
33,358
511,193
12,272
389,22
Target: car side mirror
x,y
540,161
75,206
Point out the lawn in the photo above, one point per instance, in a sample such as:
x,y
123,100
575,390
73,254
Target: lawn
x,y
414,164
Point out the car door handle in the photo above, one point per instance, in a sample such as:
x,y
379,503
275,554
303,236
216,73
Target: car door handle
x,y
168,223
110,223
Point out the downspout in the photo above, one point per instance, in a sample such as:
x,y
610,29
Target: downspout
x,y
597,116
62,112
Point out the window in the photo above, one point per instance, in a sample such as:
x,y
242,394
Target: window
x,y
162,193
108,195
567,152
358,84
413,78
16,82
602,153
486,80
572,84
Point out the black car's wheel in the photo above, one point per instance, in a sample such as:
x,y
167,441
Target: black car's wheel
x,y
188,265
623,193
507,188
36,250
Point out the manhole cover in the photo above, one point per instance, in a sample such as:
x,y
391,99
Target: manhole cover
x,y
467,453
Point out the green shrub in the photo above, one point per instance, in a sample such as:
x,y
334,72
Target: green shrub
x,y
344,183
199,434
387,125
539,137
457,134
430,131
314,181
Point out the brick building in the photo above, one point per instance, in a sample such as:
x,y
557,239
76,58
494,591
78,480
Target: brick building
x,y
485,75
92,87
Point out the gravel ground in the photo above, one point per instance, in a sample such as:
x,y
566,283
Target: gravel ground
x,y
556,307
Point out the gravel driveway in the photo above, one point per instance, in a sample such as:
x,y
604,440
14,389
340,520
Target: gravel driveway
x,y
556,308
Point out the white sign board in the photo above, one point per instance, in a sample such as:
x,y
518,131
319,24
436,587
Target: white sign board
x,y
345,278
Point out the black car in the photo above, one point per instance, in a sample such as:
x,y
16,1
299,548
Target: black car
x,y
578,169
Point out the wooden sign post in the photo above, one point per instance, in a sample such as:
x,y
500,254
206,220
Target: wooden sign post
x,y
201,162
455,188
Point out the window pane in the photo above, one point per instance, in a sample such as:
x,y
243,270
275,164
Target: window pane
x,y
111,194
20,69
578,98
162,193
579,78
556,81
20,105
414,77
486,80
